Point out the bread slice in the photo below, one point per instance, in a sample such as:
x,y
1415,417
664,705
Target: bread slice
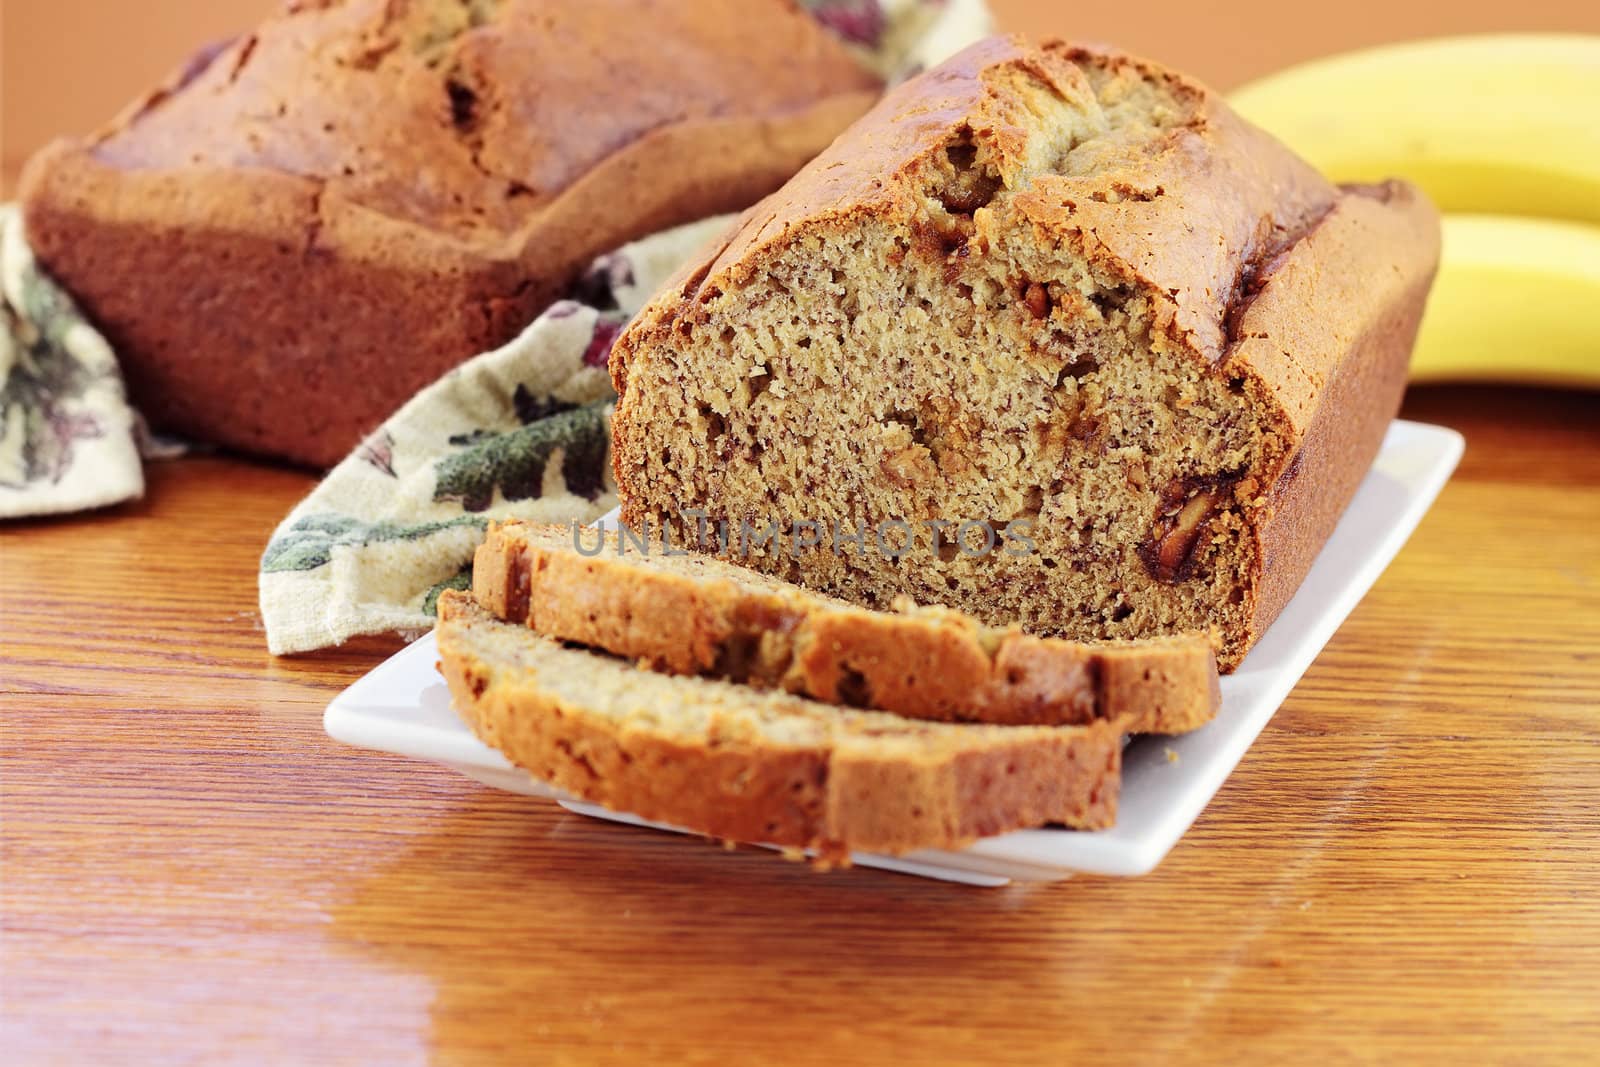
x,y
735,763
1050,292
696,615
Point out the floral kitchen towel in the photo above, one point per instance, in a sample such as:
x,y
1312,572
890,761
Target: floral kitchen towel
x,y
898,38
68,439
520,432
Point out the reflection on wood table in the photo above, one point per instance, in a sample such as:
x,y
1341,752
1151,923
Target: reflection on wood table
x,y
1408,861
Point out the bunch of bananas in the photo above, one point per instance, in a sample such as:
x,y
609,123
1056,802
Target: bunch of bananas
x,y
1503,133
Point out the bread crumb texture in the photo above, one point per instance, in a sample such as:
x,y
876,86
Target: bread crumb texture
x,y
1045,285
734,763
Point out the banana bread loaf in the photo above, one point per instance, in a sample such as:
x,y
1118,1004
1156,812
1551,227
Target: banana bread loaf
x,y
734,763
692,614
1132,353
306,226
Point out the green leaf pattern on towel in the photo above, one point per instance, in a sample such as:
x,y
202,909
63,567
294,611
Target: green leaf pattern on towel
x,y
461,579
309,542
515,461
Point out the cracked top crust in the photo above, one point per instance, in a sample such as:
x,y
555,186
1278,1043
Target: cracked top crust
x,y
468,115
1183,198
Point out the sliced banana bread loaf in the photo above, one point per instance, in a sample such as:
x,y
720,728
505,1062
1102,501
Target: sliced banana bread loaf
x,y
693,614
306,226
1053,293
733,763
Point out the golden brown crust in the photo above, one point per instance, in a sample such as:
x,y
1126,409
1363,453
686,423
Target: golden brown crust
x,y
1337,384
1179,226
296,234
1300,296
834,791
936,665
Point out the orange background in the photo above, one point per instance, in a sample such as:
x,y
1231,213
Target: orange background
x,y
70,64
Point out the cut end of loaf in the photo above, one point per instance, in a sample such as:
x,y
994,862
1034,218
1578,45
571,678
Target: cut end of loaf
x,y
941,356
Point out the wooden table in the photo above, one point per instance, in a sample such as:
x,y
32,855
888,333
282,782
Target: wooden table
x,y
1406,864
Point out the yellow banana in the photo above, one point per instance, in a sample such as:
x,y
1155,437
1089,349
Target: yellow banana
x,y
1502,124
1516,300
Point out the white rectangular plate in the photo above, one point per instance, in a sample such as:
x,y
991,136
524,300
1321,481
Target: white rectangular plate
x,y
402,705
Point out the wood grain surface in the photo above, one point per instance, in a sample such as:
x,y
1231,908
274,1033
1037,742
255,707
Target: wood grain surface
x,y
1406,866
